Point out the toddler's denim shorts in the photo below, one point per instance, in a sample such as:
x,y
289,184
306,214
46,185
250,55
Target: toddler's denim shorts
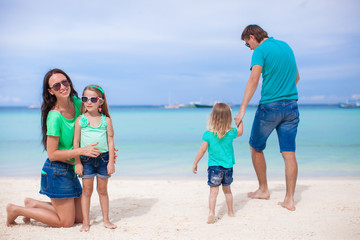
x,y
218,175
58,180
280,115
95,166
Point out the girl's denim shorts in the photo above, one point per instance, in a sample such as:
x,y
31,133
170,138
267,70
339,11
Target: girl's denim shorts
x,y
95,166
58,180
218,175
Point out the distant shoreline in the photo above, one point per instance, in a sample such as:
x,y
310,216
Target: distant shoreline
x,y
330,105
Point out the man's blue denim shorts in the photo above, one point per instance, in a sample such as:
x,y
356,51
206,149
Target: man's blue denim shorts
x,y
218,175
281,115
58,180
95,166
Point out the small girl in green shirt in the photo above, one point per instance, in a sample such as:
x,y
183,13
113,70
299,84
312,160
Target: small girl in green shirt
x,y
95,126
218,140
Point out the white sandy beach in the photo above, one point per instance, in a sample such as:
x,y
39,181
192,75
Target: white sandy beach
x,y
177,209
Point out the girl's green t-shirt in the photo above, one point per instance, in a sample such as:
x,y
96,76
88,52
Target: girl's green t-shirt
x,y
59,126
90,135
221,151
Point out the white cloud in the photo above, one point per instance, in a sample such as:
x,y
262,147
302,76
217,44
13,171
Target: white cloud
x,y
180,40
355,96
320,99
7,99
326,71
140,25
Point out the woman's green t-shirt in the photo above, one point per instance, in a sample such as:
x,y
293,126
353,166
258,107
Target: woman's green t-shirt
x,y
59,126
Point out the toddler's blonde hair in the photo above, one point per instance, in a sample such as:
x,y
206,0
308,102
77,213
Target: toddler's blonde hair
x,y
220,120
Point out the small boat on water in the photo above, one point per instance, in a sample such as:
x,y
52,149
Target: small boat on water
x,y
203,105
174,106
34,106
349,105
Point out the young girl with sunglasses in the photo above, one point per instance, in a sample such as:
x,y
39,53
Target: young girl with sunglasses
x,y
95,126
218,141
60,109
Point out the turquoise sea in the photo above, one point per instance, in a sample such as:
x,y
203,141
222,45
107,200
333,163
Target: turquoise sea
x,y
158,142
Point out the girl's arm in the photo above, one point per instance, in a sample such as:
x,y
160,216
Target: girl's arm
x,y
199,155
78,166
240,129
111,145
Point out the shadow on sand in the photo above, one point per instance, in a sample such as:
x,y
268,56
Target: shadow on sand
x,y
124,208
298,191
240,200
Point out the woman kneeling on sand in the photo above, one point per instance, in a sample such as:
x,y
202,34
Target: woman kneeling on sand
x,y
60,108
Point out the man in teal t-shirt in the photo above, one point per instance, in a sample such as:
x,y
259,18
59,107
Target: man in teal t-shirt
x,y
275,61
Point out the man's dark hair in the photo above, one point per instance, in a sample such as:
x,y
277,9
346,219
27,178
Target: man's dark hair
x,y
256,31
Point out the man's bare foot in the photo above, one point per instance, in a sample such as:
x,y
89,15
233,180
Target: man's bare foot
x,y
288,206
259,194
85,228
11,216
211,219
109,225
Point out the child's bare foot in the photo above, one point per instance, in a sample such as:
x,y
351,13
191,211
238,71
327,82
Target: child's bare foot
x,y
287,205
85,228
11,216
109,225
211,219
259,194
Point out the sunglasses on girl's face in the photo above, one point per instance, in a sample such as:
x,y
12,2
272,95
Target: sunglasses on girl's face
x,y
92,99
57,86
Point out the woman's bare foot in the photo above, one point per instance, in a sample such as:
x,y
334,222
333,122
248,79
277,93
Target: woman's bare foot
x,y
11,215
85,228
29,203
109,225
211,219
259,194
231,214
26,220
287,205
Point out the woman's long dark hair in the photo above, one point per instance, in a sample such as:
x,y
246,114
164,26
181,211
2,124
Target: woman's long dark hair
x,y
49,100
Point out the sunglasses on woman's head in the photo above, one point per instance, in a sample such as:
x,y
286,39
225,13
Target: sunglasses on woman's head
x,y
57,86
92,99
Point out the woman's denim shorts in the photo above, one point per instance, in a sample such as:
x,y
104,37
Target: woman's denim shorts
x,y
95,166
58,180
280,115
218,175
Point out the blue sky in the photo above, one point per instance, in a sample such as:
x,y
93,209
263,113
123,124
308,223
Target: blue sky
x,y
177,51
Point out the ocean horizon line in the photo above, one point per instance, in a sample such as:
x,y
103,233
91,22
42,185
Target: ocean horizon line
x,y
163,105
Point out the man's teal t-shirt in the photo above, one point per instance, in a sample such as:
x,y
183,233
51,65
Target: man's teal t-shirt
x,y
221,151
278,70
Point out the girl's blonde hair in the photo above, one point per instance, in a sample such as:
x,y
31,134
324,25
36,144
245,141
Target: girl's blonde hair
x,y
220,119
101,94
